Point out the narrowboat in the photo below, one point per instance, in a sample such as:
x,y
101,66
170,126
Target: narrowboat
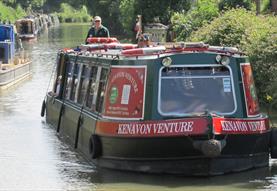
x,y
27,28
54,19
185,108
14,63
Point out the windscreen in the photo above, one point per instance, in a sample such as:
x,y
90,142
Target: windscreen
x,y
196,89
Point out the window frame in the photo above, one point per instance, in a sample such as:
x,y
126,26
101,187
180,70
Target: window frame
x,y
72,98
68,87
80,84
90,107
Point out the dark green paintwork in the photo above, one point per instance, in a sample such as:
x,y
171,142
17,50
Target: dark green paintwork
x,y
239,149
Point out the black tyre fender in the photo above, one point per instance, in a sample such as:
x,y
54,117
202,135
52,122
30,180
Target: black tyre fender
x,y
43,108
95,146
273,142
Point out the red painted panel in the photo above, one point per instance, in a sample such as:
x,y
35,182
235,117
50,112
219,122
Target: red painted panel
x,y
251,98
124,97
240,126
181,127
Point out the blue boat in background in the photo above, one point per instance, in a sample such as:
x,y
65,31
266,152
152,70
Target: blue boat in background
x,y
14,62
7,43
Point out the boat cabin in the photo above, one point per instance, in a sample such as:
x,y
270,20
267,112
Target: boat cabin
x,y
27,28
157,32
187,108
7,43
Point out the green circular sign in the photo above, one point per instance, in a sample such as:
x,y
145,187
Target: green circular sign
x,y
113,95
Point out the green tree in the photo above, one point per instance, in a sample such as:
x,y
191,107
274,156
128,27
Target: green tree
x,y
109,11
203,12
127,14
162,10
255,35
228,4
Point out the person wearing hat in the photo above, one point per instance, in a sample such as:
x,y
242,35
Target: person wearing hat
x,y
97,29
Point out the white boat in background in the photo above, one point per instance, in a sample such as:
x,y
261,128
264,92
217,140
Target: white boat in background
x,y
27,28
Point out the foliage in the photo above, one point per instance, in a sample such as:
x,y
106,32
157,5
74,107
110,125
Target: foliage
x,y
256,35
8,2
161,10
113,18
19,12
109,11
273,102
127,13
8,14
265,6
69,14
203,12
34,4
228,4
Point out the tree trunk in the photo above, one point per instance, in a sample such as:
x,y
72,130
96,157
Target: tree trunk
x,y
274,6
258,6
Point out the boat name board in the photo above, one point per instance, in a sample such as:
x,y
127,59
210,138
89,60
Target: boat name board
x,y
240,126
192,126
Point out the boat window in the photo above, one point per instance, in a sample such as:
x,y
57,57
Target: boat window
x,y
91,86
84,81
2,54
69,76
197,89
101,89
74,81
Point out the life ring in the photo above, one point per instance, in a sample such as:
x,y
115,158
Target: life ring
x,y
142,51
95,147
67,50
101,40
273,142
120,46
43,108
100,46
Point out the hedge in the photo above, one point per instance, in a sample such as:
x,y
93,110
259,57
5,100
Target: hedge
x,y
255,35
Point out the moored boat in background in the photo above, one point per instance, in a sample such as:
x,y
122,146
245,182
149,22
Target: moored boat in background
x,y
187,108
27,28
14,63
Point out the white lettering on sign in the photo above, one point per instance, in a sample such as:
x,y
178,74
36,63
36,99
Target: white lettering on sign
x,y
155,128
127,76
243,126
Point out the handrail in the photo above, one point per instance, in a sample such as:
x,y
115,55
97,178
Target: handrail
x,y
131,50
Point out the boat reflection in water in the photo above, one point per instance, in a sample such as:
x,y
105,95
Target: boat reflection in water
x,y
187,109
14,63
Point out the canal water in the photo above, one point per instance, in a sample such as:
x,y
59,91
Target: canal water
x,y
34,157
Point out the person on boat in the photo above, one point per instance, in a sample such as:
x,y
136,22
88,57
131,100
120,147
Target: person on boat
x,y
144,41
136,28
97,30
